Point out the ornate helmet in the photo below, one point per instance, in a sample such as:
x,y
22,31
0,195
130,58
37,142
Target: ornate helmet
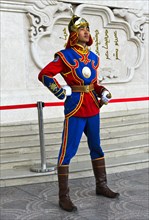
x,y
74,24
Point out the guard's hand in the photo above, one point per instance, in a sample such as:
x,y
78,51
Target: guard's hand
x,y
68,90
106,97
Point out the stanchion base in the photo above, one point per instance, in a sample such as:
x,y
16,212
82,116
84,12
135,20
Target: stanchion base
x,y
38,169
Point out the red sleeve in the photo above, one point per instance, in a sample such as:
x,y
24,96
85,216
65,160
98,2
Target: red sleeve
x,y
53,68
99,89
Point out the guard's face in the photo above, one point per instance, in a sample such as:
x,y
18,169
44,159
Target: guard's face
x,y
83,34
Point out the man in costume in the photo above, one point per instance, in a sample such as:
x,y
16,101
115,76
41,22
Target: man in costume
x,y
78,66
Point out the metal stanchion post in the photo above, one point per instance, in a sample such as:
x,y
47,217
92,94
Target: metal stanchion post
x,y
43,167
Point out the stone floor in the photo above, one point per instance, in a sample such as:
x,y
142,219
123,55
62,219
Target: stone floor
x,y
40,201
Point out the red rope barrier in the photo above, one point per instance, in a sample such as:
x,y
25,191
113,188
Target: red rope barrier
x,y
8,107
50,104
136,99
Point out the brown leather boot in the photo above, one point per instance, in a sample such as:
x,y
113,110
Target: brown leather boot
x,y
101,179
64,199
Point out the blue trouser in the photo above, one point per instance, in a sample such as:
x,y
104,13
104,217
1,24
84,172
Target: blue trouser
x,y
72,133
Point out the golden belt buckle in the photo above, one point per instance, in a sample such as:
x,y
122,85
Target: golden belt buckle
x,y
87,88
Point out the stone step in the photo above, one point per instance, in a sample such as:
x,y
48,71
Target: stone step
x,y
83,149
124,139
57,134
23,175
52,127
57,128
106,119
34,145
13,160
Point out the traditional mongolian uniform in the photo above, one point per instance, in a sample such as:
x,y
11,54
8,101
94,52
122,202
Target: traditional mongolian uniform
x,y
78,66
79,69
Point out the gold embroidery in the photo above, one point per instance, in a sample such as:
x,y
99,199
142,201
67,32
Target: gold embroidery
x,y
53,87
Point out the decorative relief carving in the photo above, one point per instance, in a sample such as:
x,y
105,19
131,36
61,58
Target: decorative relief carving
x,y
38,26
26,5
115,41
42,15
43,3
42,23
136,20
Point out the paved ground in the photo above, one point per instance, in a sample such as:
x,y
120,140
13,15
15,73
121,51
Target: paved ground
x,y
39,201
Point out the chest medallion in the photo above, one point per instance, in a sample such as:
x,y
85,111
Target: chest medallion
x,y
86,72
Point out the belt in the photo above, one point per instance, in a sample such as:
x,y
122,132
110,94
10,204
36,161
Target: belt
x,y
86,88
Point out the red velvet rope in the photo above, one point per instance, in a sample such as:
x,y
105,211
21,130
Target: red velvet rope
x,y
50,104
136,99
8,107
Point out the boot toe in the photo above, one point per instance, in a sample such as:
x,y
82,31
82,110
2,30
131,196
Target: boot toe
x,y
105,191
74,208
69,207
117,195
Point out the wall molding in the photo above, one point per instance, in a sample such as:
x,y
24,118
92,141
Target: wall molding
x,y
43,15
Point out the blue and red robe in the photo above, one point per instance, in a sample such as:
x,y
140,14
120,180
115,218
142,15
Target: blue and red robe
x,y
81,108
69,63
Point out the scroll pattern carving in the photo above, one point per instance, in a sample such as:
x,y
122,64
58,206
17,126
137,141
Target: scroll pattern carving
x,y
44,15
136,20
41,24
42,21
119,35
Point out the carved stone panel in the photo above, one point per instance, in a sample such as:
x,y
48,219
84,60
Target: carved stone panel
x,y
118,35
120,51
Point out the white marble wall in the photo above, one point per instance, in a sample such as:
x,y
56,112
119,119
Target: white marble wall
x,y
32,31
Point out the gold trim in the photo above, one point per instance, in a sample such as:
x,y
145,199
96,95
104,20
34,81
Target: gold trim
x,y
61,94
77,107
63,166
84,88
71,67
82,50
64,146
93,97
100,158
